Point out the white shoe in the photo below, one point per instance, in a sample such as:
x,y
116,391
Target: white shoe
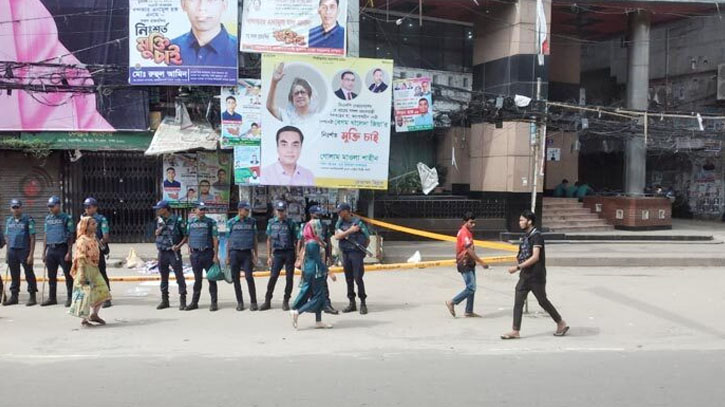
x,y
295,315
322,325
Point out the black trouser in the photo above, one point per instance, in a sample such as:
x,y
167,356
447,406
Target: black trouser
x,y
102,269
16,258
55,257
203,260
170,258
281,258
352,263
242,260
538,287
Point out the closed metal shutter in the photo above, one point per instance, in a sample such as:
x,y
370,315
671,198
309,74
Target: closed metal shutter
x,y
31,180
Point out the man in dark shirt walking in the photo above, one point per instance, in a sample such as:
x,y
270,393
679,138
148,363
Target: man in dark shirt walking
x,y
532,265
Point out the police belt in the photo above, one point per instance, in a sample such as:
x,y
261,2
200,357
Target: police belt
x,y
200,250
54,245
283,250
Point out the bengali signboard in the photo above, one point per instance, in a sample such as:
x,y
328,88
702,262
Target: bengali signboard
x,y
326,121
413,104
295,26
165,38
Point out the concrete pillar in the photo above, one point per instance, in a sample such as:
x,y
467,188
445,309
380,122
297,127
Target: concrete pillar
x,y
635,153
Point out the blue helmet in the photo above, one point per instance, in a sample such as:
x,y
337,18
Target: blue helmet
x,y
53,200
90,201
15,203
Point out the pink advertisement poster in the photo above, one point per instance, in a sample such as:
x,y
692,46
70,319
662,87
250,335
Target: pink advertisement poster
x,y
60,68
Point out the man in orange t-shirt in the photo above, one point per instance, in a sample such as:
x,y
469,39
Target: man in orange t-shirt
x,y
466,259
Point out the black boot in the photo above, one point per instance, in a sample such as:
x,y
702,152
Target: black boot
x,y
164,302
31,301
363,307
194,302
240,306
213,307
253,307
265,306
350,308
49,301
182,302
107,304
13,300
68,301
285,305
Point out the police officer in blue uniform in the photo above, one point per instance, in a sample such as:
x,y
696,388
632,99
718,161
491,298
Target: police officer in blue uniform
x,y
204,245
2,244
103,235
59,233
354,239
242,253
20,235
170,237
281,238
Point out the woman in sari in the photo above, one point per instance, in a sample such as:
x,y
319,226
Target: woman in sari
x,y
313,293
89,289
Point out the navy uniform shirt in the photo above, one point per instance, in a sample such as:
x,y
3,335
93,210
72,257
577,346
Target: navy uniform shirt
x,y
18,231
359,237
280,240
202,232
242,233
58,228
172,234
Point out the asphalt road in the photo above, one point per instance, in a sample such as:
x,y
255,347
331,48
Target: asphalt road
x,y
640,337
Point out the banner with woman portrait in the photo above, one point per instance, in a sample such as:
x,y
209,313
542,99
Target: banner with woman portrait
x,y
295,26
326,121
183,42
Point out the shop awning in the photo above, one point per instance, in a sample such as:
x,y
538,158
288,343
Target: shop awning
x,y
170,138
92,141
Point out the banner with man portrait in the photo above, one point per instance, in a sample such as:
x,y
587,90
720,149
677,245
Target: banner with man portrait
x,y
241,108
315,27
180,185
413,104
326,121
183,42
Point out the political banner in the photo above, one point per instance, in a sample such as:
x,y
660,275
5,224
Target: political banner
x,y
413,104
314,27
59,59
246,165
180,186
241,108
213,174
166,37
326,121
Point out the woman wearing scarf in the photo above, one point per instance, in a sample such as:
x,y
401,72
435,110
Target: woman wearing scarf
x,y
313,293
89,289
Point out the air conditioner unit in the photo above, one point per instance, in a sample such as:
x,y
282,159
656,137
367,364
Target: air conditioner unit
x,y
721,82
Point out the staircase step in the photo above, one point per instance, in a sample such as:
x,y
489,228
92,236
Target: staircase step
x,y
564,212
564,217
585,229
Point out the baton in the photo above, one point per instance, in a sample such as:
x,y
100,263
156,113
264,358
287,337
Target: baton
x,y
360,247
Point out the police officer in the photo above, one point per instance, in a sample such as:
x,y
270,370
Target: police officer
x,y
354,239
242,253
204,245
281,237
170,237
20,234
59,230
2,244
317,212
103,236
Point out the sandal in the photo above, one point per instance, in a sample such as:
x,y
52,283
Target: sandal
x,y
96,318
562,332
86,324
509,336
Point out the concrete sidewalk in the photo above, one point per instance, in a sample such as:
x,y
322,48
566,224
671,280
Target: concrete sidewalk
x,y
559,253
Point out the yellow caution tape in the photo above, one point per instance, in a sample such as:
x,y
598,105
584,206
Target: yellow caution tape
x,y
368,267
437,236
